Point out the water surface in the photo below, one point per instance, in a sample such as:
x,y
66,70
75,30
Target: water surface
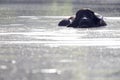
x,y
33,47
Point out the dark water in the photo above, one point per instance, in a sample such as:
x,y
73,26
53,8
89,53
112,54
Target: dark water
x,y
33,47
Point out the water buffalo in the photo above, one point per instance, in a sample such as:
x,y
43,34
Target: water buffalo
x,y
85,18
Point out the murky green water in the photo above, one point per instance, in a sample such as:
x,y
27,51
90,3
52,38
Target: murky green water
x,y
33,47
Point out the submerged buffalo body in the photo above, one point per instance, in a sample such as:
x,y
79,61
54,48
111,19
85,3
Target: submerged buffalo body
x,y
84,18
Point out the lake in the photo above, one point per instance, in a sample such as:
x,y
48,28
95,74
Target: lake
x,y
33,47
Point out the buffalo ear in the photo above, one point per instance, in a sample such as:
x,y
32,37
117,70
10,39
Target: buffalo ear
x,y
103,23
64,22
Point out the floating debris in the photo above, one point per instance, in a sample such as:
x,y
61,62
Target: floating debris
x,y
4,67
13,61
66,61
51,71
